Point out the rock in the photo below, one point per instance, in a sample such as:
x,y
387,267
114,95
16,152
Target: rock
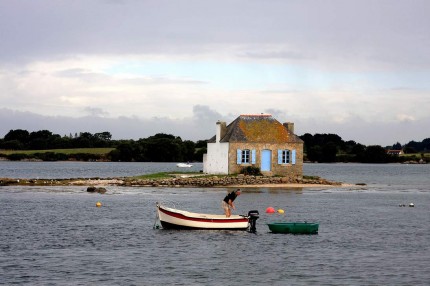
x,y
99,190
91,189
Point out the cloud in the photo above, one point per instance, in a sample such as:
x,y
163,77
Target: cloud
x,y
94,111
159,64
277,54
198,127
201,126
392,34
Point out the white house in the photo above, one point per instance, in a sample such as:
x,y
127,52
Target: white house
x,y
254,140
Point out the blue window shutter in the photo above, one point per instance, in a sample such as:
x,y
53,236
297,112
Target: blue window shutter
x,y
293,157
239,156
279,156
253,156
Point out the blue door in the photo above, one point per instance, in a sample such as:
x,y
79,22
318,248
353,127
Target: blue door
x,y
266,160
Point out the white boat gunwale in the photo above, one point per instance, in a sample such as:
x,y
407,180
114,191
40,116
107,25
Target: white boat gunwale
x,y
179,219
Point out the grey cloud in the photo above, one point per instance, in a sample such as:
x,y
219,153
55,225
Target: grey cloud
x,y
198,127
162,81
83,74
202,126
205,114
87,75
95,111
72,73
277,55
385,32
280,115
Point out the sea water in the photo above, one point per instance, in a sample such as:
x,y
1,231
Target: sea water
x,y
57,235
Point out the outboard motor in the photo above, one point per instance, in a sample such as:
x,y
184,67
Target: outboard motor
x,y
252,219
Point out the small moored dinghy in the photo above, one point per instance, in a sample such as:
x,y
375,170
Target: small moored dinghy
x,y
177,219
294,227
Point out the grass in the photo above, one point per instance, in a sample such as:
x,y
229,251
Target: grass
x,y
161,175
165,175
416,155
311,177
97,151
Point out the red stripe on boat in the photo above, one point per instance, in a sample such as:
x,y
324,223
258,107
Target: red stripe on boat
x,y
222,220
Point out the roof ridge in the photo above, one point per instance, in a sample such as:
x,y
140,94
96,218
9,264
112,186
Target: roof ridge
x,y
261,115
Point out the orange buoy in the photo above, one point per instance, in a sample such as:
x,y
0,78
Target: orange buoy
x,y
270,210
98,204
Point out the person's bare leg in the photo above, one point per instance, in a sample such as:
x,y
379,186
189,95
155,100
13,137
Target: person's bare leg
x,y
228,212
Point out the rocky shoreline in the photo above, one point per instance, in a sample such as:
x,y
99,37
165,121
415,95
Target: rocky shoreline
x,y
175,181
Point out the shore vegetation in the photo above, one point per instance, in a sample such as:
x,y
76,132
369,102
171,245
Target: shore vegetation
x,y
44,145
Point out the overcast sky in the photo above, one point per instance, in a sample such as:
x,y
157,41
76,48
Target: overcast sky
x,y
358,68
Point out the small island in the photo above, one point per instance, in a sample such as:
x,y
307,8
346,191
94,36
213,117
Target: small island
x,y
191,180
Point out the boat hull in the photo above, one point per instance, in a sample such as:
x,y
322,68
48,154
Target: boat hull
x,y
177,219
294,227
184,165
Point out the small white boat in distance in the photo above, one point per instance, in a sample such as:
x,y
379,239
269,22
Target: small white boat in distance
x,y
184,165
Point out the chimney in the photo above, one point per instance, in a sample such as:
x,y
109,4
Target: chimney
x,y
289,126
220,130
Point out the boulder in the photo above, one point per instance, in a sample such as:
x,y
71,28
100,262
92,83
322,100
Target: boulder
x,y
99,190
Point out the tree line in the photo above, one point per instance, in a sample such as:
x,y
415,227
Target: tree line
x,y
331,148
169,148
158,148
44,139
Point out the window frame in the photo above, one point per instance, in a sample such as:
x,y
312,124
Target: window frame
x,y
246,156
286,156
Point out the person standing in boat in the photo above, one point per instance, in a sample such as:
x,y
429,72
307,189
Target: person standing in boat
x,y
227,203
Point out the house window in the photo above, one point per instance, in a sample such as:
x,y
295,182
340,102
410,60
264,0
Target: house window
x,y
285,157
245,156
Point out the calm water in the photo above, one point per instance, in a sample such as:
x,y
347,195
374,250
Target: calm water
x,y
65,170
56,235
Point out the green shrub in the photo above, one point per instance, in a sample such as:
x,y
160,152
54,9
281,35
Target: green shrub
x,y
251,171
18,157
51,156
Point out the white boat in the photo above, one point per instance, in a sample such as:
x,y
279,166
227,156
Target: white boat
x,y
177,219
184,165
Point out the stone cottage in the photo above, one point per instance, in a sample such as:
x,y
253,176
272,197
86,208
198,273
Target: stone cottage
x,y
255,140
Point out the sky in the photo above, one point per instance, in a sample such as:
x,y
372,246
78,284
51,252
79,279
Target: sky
x,y
134,68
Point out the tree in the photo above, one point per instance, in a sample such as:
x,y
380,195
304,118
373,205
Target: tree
x,y
409,150
12,145
375,154
125,151
19,135
329,152
397,146
39,140
188,150
104,136
315,154
201,144
198,155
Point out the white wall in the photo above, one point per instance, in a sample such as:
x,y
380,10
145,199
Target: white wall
x,y
216,159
